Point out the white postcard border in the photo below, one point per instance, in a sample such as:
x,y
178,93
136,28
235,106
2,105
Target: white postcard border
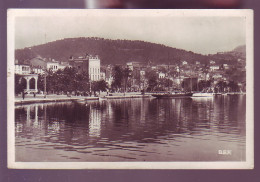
x,y
248,164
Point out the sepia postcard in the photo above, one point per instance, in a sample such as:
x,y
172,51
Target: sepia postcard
x,y
130,89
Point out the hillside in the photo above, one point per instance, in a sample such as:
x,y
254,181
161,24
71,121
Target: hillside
x,y
240,49
110,51
231,56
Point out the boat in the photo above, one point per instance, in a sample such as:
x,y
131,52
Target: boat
x,y
103,98
217,93
202,94
172,95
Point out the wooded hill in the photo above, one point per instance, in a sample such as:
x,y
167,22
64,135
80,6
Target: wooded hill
x,y
110,51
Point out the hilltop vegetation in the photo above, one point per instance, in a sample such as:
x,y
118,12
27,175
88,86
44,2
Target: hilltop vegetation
x,y
110,51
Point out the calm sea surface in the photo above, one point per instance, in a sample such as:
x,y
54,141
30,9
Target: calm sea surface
x,y
132,130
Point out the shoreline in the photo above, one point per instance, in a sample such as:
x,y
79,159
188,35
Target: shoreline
x,y
32,100
29,99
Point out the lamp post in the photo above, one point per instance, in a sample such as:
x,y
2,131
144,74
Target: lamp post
x,y
45,85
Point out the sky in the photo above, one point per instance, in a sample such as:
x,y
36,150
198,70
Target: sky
x,y
205,35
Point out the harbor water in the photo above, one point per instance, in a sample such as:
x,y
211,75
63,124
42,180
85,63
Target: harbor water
x,y
136,129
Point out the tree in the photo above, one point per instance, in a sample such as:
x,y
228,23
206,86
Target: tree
x,y
20,84
69,79
40,83
98,86
221,85
126,75
233,86
162,69
167,83
205,70
173,73
83,81
204,85
151,76
118,76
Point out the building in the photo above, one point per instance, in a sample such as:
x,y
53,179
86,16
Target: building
x,y
102,75
190,84
136,64
212,62
142,73
161,75
184,62
22,69
89,64
54,66
37,71
130,66
79,63
226,66
25,71
214,68
217,76
94,68
39,64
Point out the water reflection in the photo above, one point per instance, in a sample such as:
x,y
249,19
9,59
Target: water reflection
x,y
133,129
94,122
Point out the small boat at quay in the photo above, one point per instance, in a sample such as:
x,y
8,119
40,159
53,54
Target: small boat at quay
x,y
203,94
172,95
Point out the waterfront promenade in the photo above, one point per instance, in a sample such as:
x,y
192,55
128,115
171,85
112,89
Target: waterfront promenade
x,y
39,98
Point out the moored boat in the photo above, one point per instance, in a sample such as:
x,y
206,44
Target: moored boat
x,y
201,94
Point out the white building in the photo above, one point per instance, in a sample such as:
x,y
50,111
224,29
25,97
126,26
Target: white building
x,y
142,72
22,69
213,68
130,66
212,62
37,71
94,68
54,66
184,62
217,76
226,66
161,75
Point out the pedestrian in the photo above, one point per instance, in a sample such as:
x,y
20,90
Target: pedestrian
x,y
34,94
